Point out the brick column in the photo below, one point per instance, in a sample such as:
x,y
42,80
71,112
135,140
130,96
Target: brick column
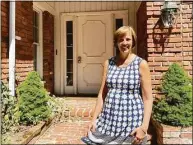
x,y
48,51
142,31
166,46
4,41
187,35
24,49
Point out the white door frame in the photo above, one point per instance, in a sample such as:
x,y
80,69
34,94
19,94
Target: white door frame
x,y
73,17
40,44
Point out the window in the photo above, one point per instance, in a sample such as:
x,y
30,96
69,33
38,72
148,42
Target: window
x,y
118,24
120,19
69,52
35,37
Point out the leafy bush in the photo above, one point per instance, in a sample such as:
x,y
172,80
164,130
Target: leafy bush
x,y
176,107
60,109
9,110
33,100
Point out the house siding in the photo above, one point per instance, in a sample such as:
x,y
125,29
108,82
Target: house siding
x,y
74,7
4,41
24,47
92,6
48,51
166,46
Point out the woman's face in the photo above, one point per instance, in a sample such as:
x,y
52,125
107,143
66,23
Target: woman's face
x,y
124,43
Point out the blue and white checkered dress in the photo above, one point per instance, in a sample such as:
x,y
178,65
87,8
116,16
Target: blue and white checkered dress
x,y
123,108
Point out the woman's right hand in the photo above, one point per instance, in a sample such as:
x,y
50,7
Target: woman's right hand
x,y
91,126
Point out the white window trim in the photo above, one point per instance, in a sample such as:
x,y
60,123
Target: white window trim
x,y
44,6
64,88
40,46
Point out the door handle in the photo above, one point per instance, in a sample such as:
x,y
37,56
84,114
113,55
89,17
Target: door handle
x,y
79,59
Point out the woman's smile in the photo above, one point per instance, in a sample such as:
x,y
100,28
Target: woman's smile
x,y
124,43
124,48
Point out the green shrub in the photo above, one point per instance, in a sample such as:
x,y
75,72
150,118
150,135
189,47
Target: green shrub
x,y
33,100
60,109
9,110
176,107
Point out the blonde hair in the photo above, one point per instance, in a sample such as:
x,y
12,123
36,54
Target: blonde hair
x,y
123,31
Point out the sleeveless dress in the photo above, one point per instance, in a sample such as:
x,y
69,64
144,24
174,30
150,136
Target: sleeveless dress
x,y
123,107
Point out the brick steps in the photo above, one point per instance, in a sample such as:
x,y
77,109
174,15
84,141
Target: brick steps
x,y
80,113
86,115
83,109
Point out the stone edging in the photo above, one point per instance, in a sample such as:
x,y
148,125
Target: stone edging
x,y
33,133
167,134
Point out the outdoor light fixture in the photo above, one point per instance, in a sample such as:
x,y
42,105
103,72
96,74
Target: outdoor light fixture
x,y
169,13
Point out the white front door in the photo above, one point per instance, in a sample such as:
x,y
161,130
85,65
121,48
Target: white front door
x,y
95,45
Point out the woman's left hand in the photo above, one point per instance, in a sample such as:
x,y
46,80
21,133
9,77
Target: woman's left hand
x,y
139,134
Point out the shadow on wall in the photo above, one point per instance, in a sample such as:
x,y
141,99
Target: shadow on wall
x,y
142,31
161,35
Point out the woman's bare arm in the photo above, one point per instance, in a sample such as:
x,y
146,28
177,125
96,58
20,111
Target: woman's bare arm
x,y
146,93
102,93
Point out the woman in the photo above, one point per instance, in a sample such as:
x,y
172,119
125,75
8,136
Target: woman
x,y
122,113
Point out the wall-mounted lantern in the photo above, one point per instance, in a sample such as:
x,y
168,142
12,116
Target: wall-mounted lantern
x,y
169,13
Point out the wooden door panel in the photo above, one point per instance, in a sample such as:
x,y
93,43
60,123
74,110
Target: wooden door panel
x,y
95,45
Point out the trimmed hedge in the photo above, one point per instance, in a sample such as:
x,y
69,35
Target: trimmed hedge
x,y
176,107
33,100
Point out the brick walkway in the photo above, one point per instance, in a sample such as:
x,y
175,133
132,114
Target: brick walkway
x,y
64,133
71,131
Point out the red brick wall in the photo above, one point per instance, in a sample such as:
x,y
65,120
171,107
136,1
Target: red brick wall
x,y
24,29
167,134
24,49
166,46
187,35
48,51
4,40
142,31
